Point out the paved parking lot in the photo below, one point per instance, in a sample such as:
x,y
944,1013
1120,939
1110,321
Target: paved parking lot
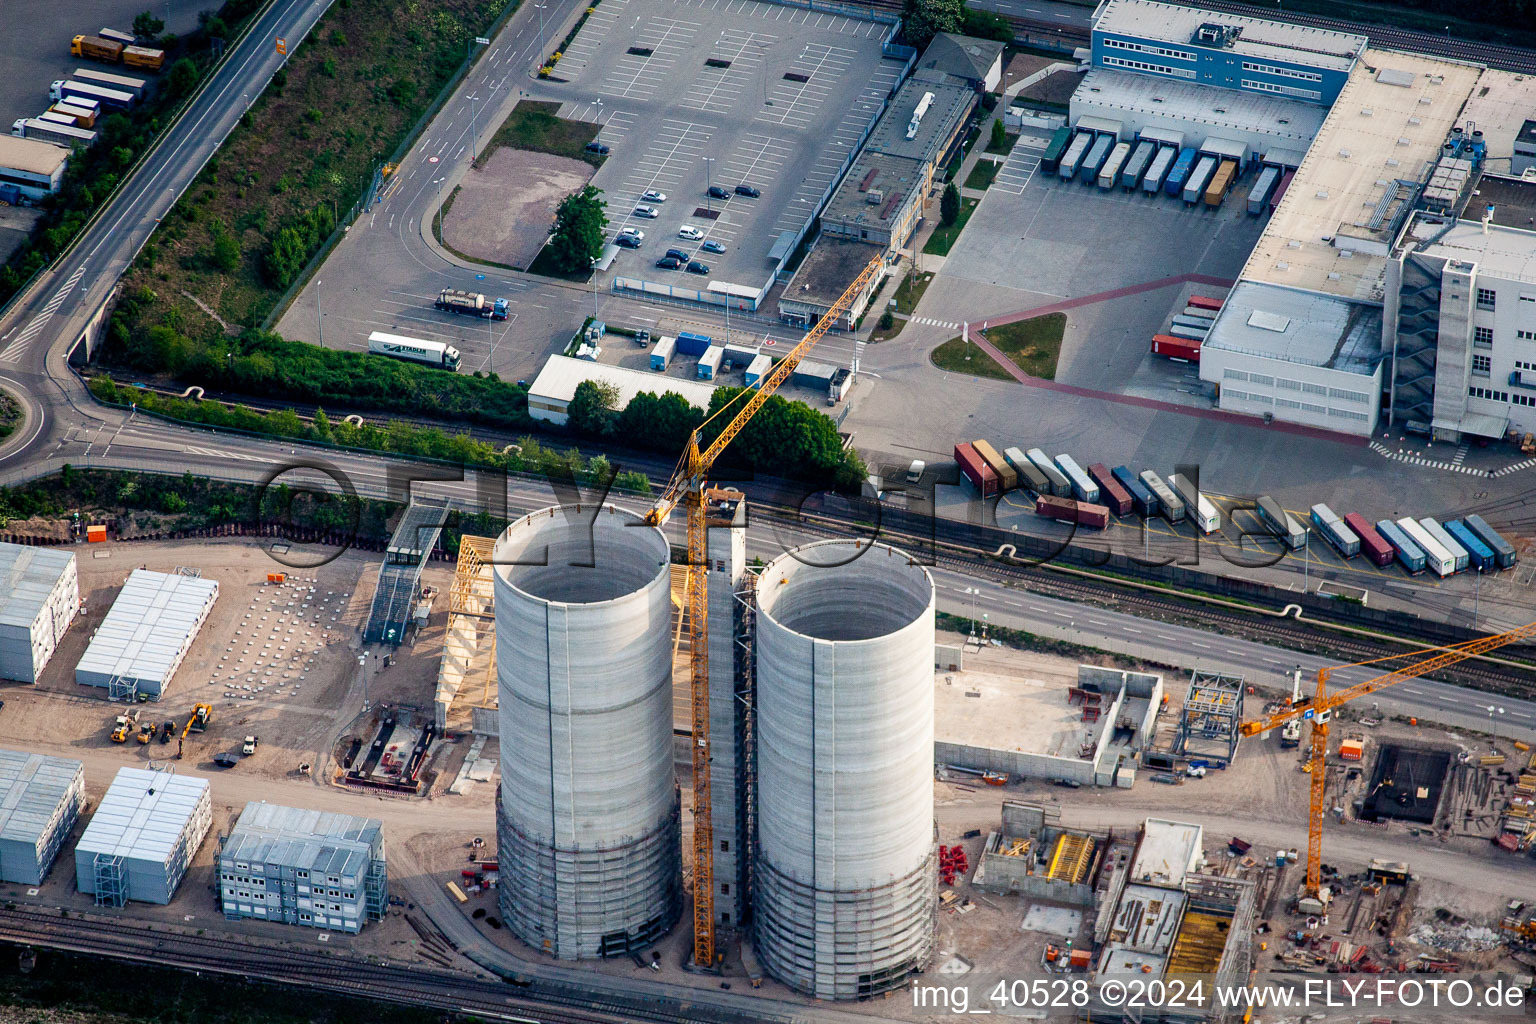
x,y
722,92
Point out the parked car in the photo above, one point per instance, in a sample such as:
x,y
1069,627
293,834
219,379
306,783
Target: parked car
x,y
250,745
749,191
713,246
678,255
650,195
633,233
668,263
598,148
695,267
627,242
690,232
648,212
716,192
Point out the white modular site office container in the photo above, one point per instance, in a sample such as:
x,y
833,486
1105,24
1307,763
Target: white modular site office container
x,y
143,836
39,596
40,799
147,633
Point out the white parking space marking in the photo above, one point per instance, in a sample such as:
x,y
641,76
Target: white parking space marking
x,y
573,60
717,89
672,157
1015,174
794,103
635,76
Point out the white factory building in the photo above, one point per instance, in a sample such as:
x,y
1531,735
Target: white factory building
x,y
143,836
38,601
40,799
311,868
550,394
35,169
147,632
1368,298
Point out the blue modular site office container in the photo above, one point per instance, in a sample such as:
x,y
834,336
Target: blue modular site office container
x,y
1409,553
690,344
1478,554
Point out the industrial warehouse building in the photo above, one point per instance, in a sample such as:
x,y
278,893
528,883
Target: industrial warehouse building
x,y
35,169
303,867
40,798
40,596
146,634
551,392
143,836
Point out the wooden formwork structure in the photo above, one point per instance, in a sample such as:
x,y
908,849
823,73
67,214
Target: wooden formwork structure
x,y
468,667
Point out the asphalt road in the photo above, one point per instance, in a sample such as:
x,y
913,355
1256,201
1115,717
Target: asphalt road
x,y
1043,11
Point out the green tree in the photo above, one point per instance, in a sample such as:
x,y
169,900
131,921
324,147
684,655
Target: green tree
x,y
182,78
578,236
986,25
593,408
949,205
661,422
286,258
146,25
999,136
924,19
887,321
224,252
215,28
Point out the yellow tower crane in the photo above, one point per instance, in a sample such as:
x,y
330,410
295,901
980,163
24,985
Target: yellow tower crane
x,y
687,486
1320,708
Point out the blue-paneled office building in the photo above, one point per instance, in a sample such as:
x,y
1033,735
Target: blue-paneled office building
x,y
1224,50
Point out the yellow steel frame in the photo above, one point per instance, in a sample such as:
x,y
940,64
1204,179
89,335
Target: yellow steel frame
x,y
687,487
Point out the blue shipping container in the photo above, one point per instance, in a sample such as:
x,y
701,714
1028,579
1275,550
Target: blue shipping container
x,y
1143,500
1503,552
1180,170
1478,553
690,344
1408,552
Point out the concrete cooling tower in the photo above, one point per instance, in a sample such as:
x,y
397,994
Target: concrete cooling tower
x,y
845,876
587,817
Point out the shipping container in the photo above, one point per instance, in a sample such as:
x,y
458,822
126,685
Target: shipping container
x,y
1143,501
1073,158
690,344
1204,302
1184,350
1436,559
1069,510
1083,487
976,470
1109,174
85,117
1201,510
709,362
1503,553
1136,164
1408,553
1343,539
1221,183
1007,478
1179,172
1279,193
143,57
1114,497
1056,149
1060,485
123,83
1171,505
1453,547
1094,161
661,355
1157,172
1281,523
126,38
1478,554
114,99
757,369
1194,185
1030,477
1258,196
1371,545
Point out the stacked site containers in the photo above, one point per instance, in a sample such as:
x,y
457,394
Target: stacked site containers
x,y
1083,487
1479,554
1344,540
1409,553
1030,477
1069,510
1436,559
1458,553
1116,498
1060,486
1007,479
1503,551
1371,545
1172,507
1142,500
976,470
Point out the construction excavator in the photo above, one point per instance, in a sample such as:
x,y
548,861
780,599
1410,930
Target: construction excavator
x,y
1319,710
687,486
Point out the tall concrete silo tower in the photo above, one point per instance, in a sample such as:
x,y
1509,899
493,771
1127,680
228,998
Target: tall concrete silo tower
x,y
844,880
587,818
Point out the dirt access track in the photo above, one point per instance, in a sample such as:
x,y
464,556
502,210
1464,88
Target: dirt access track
x,y
503,210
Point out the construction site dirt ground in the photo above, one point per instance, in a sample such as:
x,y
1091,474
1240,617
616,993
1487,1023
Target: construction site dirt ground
x,y
503,210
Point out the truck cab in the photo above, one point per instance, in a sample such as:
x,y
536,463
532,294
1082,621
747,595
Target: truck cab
x,y
451,357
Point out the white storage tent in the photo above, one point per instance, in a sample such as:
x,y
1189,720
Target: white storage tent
x,y
147,633
143,836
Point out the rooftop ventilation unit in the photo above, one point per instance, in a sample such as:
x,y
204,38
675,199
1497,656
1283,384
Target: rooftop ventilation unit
x,y
1222,36
917,115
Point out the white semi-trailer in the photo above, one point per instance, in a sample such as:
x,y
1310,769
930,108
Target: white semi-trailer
x,y
416,350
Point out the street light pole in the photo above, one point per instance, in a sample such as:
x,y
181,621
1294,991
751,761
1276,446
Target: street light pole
x,y
319,317
474,142
708,184
593,262
542,54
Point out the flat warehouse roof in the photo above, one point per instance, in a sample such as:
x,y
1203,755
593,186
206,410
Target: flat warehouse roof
x,y
31,156
1298,327
952,100
1277,40
143,814
28,577
1331,232
1499,108
1242,113
558,380
31,788
1499,252
153,620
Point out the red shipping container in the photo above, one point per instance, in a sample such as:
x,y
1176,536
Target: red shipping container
x,y
976,470
1069,511
1110,492
1203,302
1181,349
1372,545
